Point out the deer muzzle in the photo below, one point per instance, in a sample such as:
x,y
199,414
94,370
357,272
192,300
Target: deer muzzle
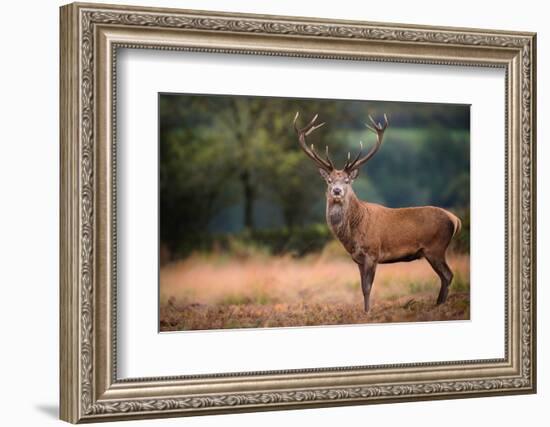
x,y
337,191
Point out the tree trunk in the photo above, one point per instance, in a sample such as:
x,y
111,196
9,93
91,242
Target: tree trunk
x,y
248,192
289,216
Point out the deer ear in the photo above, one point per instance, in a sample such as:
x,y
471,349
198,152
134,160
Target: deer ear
x,y
353,174
324,174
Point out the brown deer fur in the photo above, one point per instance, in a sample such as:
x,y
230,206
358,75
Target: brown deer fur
x,y
373,234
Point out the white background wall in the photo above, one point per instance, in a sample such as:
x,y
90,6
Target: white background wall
x,y
29,171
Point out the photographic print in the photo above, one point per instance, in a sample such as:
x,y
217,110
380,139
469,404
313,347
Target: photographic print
x,y
278,212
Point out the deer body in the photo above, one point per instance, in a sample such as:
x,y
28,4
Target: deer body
x,y
374,234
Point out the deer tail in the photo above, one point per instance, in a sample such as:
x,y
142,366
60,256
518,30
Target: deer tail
x,y
457,224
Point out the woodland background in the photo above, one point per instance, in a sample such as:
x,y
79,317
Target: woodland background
x,y
231,166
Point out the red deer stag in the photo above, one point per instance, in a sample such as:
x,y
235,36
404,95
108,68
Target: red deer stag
x,y
374,234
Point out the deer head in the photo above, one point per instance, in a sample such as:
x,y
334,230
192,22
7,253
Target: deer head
x,y
339,180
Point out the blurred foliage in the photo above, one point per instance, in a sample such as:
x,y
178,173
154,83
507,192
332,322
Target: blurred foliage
x,y
231,166
297,241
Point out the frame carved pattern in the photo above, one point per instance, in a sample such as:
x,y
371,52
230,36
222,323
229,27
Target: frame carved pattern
x,y
324,395
89,17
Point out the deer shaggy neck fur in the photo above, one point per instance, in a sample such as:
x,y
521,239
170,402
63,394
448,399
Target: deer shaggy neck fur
x,y
343,217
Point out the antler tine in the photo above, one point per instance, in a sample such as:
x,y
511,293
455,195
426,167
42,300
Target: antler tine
x,y
377,125
295,120
378,129
328,157
311,129
385,125
375,128
312,121
346,165
349,165
320,159
305,131
372,120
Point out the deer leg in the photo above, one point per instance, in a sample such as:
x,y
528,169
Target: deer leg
x,y
445,274
367,271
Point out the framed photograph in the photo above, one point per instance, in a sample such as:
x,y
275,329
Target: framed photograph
x,y
265,212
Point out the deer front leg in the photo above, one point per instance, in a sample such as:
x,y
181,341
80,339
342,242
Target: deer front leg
x,y
367,270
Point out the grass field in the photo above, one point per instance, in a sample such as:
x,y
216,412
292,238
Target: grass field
x,y
219,292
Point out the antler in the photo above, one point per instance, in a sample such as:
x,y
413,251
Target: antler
x,y
326,163
378,129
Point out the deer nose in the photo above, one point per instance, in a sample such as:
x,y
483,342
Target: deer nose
x,y
336,191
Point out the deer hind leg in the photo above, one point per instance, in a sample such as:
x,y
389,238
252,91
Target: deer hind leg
x,y
440,266
367,271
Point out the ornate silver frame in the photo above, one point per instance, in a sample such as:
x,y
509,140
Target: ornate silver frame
x,y
90,36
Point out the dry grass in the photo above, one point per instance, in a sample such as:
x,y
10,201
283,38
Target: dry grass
x,y
217,292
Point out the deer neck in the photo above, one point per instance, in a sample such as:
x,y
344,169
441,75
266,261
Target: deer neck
x,y
343,216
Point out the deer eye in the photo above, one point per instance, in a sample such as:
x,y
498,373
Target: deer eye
x,y
347,180
330,181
